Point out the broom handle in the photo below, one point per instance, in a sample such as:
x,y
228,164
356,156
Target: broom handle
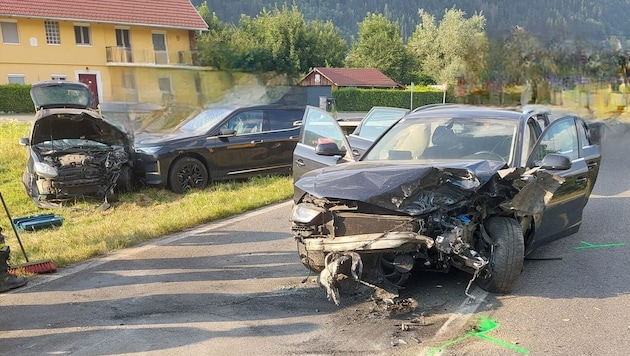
x,y
13,226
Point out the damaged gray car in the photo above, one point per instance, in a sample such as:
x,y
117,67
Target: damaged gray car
x,y
448,186
74,151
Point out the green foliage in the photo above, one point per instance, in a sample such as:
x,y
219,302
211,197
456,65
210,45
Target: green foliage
x,y
457,46
16,98
353,99
554,20
274,41
380,46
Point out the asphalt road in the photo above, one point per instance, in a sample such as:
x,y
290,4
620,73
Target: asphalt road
x,y
235,287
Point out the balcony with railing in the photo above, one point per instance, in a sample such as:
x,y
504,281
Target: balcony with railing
x,y
120,55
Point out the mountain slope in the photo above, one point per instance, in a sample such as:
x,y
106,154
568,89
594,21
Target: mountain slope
x,y
593,20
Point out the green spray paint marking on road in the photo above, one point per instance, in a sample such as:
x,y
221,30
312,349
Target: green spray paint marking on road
x,y
586,245
485,325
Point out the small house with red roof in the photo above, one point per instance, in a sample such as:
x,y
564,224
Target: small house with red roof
x,y
125,50
365,78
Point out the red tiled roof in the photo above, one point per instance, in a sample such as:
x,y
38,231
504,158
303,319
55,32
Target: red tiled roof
x,y
357,77
160,13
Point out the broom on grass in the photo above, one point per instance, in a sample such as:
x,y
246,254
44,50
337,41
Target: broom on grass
x,y
45,266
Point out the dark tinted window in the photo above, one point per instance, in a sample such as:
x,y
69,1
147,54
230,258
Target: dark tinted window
x,y
283,119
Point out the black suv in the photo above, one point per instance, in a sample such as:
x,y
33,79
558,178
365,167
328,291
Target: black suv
x,y
217,143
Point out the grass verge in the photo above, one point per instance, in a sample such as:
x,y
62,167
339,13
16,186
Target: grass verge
x,y
136,218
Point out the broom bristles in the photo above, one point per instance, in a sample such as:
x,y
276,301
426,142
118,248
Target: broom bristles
x,y
34,267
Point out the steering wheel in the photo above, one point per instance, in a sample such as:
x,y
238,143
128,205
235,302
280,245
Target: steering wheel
x,y
488,154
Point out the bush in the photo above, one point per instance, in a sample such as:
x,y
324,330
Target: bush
x,y
354,99
16,98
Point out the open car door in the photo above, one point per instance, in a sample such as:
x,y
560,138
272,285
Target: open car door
x,y
567,137
322,143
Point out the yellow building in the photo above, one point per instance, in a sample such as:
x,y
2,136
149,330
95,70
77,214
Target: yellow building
x,y
127,51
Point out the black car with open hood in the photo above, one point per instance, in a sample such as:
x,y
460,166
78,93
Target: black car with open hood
x,y
74,151
447,186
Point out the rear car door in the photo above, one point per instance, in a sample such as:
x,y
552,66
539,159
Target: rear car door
x,y
319,127
281,133
563,213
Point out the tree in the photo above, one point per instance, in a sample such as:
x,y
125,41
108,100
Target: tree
x,y
455,47
280,41
325,46
215,47
380,46
527,62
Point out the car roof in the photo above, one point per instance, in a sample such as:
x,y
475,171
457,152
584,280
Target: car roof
x,y
467,111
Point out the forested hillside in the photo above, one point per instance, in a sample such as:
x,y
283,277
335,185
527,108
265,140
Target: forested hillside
x,y
592,20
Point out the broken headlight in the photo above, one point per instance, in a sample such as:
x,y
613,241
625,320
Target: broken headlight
x,y
305,213
44,170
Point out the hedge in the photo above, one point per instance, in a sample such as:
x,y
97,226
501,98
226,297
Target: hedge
x,y
354,99
16,98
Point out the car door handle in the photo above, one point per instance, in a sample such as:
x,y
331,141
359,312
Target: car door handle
x,y
355,152
581,180
300,162
293,137
257,141
592,166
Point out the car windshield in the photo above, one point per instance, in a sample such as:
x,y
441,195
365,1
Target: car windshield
x,y
446,138
68,143
205,120
61,95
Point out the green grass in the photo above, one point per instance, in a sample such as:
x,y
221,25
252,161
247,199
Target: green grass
x,y
140,216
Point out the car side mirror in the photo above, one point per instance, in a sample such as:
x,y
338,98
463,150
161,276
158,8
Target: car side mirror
x,y
329,149
555,162
227,132
24,141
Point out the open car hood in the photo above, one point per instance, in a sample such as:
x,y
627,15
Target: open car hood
x,y
415,189
57,124
61,94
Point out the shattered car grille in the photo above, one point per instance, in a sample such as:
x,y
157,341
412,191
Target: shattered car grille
x,y
350,223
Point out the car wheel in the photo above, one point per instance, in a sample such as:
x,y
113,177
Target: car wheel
x,y
125,180
506,258
187,173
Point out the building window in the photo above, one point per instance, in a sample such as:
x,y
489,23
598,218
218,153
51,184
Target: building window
x,y
164,83
122,38
52,32
16,79
129,80
58,77
9,32
82,35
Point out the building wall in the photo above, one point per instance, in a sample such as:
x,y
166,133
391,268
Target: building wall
x,y
311,80
36,60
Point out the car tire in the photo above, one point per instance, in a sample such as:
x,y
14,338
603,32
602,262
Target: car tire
x,y
124,183
187,173
506,261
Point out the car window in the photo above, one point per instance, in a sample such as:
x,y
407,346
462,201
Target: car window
x,y
529,140
205,120
319,127
245,122
446,138
583,136
560,137
283,119
377,121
